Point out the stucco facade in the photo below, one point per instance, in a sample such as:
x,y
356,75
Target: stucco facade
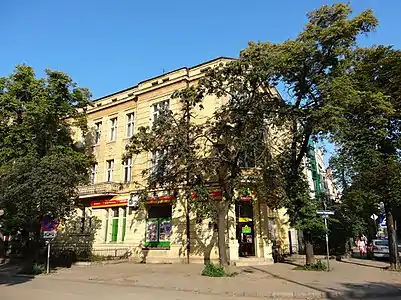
x,y
157,232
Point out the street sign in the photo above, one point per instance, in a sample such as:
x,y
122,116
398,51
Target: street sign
x,y
49,235
49,224
383,223
325,212
374,217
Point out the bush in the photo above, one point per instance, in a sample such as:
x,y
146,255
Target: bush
x,y
317,266
33,269
212,270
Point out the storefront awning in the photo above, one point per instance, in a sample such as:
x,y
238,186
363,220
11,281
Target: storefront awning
x,y
119,200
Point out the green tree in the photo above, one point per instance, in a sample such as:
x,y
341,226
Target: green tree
x,y
368,135
40,164
311,68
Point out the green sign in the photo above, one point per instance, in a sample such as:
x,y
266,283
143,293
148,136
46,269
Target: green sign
x,y
246,229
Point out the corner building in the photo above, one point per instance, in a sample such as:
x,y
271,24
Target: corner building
x,y
158,233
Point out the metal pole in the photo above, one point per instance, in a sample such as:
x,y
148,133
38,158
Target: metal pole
x,y
327,244
48,258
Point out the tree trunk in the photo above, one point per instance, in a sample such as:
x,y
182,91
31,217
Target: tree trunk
x,y
310,258
392,239
221,232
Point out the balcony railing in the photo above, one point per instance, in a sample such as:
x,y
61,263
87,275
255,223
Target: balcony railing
x,y
100,188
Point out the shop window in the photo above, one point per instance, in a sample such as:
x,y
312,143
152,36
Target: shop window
x,y
158,226
114,228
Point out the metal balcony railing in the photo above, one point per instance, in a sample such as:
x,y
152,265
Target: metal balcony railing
x,y
100,188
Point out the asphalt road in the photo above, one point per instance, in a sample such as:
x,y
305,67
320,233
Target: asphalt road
x,y
42,288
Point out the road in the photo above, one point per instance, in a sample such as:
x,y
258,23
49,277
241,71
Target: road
x,y
42,288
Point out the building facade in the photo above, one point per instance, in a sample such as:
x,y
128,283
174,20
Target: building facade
x,y
157,233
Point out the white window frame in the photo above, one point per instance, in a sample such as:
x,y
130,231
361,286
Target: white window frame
x,y
113,129
127,170
109,170
129,132
156,107
94,168
98,132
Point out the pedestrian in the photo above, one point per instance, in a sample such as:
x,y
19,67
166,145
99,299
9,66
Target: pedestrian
x,y
362,247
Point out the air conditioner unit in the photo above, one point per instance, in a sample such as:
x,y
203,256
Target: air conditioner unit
x,y
133,201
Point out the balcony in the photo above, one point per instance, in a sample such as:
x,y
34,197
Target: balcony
x,y
103,188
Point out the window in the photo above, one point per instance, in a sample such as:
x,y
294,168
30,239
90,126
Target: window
x,y
159,162
247,160
158,107
158,226
98,132
127,169
114,229
130,125
109,170
93,177
113,129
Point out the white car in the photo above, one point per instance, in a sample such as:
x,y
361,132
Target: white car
x,y
380,249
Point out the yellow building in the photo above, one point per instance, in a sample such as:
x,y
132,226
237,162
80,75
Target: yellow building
x,y
158,233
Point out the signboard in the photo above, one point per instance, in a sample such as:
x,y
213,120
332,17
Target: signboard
x,y
49,224
325,212
383,222
246,229
214,195
110,202
160,199
49,235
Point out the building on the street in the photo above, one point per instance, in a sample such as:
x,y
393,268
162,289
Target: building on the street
x,y
158,233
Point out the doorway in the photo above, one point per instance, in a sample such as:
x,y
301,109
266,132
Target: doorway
x,y
245,228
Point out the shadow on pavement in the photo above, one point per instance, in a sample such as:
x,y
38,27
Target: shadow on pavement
x,y
9,273
368,290
289,280
363,264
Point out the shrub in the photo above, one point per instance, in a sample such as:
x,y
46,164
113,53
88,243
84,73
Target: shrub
x,y
33,269
212,270
317,266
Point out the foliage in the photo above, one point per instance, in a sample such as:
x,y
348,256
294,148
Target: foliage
x,y
40,164
212,270
32,269
316,266
368,139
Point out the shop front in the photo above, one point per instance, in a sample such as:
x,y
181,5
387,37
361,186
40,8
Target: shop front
x,y
245,227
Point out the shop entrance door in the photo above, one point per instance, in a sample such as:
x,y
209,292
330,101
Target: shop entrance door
x,y
245,228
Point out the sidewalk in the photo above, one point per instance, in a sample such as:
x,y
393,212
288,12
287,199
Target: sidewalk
x,y
347,280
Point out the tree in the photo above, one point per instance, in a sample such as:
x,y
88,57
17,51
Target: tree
x,y
311,67
40,164
199,157
368,135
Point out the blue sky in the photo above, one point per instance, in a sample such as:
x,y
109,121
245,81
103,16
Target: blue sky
x,y
110,45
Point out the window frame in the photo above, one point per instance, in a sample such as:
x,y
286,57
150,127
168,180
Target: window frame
x,y
94,168
113,129
98,132
127,166
109,170
156,108
129,128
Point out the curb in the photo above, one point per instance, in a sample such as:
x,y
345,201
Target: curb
x,y
96,263
268,295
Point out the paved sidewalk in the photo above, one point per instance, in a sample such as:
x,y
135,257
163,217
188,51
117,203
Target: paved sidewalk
x,y
347,280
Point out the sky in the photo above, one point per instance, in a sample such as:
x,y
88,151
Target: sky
x,y
108,46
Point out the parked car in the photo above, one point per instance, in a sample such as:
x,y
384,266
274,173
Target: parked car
x,y
379,249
